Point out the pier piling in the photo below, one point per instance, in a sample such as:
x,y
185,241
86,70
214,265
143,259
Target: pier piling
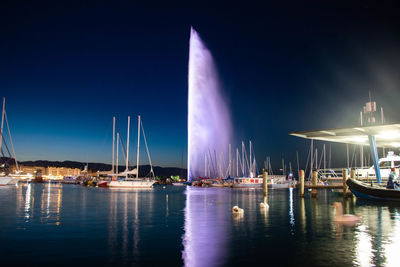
x,y
345,188
314,191
301,181
265,184
353,173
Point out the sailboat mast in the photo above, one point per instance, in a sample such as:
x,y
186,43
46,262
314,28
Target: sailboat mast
x,y
251,162
127,148
116,167
137,153
237,162
298,168
230,160
243,172
311,157
112,167
2,121
205,164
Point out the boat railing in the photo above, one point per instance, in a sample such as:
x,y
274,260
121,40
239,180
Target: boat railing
x,y
333,175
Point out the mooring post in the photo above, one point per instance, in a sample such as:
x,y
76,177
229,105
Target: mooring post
x,y
314,191
353,173
301,181
265,183
345,188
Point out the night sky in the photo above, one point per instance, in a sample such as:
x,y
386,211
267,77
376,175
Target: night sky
x,y
67,69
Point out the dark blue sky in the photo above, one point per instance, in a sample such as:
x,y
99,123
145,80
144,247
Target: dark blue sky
x,y
66,69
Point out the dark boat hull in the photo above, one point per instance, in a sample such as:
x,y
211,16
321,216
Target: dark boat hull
x,y
366,191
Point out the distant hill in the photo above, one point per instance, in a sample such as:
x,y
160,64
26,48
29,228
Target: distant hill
x,y
143,169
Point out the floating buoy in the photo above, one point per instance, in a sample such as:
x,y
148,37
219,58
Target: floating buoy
x,y
164,187
237,210
264,205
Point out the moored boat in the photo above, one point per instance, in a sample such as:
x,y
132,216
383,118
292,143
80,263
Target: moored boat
x,y
372,192
69,180
129,182
274,181
178,184
8,180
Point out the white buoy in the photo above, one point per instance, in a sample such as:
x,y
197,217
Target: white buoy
x,y
237,210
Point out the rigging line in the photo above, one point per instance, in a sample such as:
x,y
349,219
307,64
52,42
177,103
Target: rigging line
x,y
330,155
270,166
212,162
265,163
247,161
308,157
5,144
352,157
257,171
241,166
11,142
298,168
147,148
320,161
122,143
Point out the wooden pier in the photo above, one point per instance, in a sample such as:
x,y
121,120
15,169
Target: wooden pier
x,y
315,186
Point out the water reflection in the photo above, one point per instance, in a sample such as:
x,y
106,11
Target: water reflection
x,y
291,213
193,227
42,202
363,246
126,207
302,215
265,211
27,201
206,236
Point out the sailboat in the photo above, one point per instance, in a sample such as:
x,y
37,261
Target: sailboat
x,y
137,182
6,179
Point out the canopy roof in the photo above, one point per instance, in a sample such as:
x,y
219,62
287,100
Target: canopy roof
x,y
386,135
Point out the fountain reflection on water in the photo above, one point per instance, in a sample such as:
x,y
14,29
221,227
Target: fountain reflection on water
x,y
206,239
209,121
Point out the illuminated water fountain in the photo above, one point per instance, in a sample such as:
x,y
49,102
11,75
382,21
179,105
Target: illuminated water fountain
x,y
209,121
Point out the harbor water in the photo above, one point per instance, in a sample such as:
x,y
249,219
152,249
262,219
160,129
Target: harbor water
x,y
55,224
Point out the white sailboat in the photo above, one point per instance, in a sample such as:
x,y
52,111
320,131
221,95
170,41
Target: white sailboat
x,y
4,178
129,182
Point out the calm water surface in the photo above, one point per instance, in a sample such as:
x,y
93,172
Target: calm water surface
x,y
48,224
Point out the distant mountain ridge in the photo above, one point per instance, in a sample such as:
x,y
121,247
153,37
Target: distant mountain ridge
x,y
92,166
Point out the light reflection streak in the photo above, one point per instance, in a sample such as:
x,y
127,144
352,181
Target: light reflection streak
x,y
28,201
205,239
291,214
136,237
166,203
264,212
59,200
112,224
48,199
125,227
363,246
392,247
303,220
